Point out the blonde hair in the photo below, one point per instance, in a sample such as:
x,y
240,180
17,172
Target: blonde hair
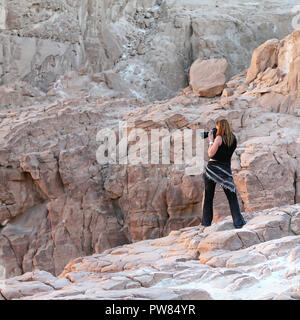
x,y
225,131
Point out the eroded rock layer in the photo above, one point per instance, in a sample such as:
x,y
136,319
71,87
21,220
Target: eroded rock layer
x,y
260,261
58,203
146,46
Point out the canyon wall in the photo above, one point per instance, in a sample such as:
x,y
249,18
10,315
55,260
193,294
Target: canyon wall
x,y
56,201
146,46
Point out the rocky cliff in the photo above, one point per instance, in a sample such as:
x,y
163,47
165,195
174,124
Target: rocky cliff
x,y
58,202
142,46
67,71
260,261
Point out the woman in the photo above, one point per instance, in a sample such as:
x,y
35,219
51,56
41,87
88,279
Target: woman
x,y
218,170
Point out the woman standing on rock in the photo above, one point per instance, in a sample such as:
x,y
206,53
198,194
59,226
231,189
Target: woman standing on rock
x,y
218,170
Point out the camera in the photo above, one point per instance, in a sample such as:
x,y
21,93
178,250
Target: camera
x,y
205,133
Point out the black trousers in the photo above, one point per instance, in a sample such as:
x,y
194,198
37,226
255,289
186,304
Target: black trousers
x,y
207,217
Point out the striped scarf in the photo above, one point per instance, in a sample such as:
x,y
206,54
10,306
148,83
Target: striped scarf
x,y
220,172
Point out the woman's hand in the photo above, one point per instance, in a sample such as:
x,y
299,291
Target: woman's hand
x,y
211,136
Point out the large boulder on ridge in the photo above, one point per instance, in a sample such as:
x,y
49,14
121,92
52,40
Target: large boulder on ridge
x,y
207,77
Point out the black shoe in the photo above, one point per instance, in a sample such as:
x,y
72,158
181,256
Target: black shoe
x,y
205,225
241,226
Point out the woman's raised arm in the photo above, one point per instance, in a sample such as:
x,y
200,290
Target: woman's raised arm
x,y
213,148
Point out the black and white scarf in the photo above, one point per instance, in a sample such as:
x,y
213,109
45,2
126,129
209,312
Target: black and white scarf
x,y
220,172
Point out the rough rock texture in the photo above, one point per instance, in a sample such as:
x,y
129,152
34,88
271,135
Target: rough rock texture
x,y
58,203
276,60
265,56
260,262
207,77
144,45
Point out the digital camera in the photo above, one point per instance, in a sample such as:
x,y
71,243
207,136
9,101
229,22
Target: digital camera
x,y
205,133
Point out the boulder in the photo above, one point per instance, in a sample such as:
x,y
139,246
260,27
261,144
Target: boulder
x,y
207,77
263,57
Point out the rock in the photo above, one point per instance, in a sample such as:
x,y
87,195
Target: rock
x,y
278,247
269,78
291,81
227,92
270,226
150,280
291,293
241,89
218,260
221,226
99,36
243,282
23,289
247,180
248,238
207,77
282,297
245,259
265,56
278,74
234,269
20,94
295,224
179,21
115,82
221,240
294,255
52,212
207,256
98,77
233,84
289,51
195,294
43,168
292,272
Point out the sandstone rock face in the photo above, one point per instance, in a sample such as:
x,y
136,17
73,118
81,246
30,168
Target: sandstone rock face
x,y
58,203
207,77
275,71
147,45
265,56
217,262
